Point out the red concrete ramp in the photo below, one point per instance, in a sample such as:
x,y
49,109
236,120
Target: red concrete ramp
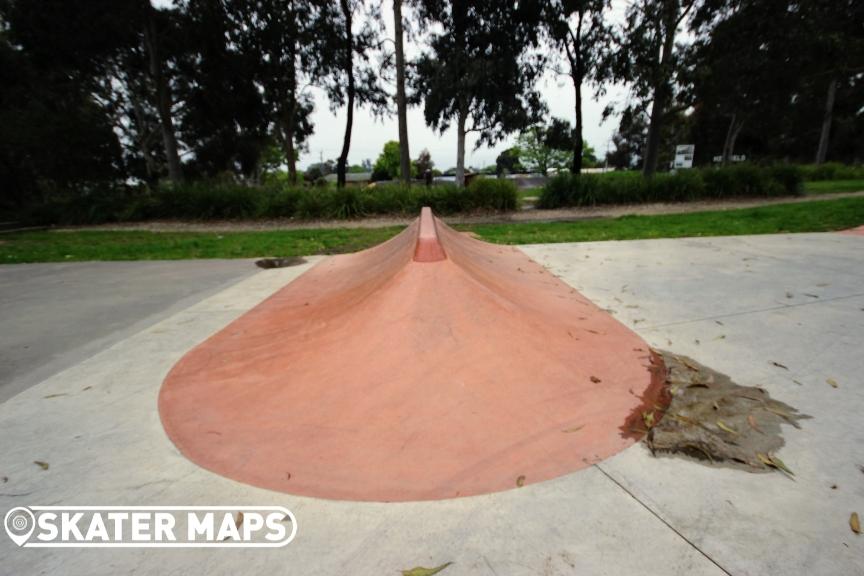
x,y
431,366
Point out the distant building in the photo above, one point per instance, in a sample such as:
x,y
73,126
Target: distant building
x,y
352,178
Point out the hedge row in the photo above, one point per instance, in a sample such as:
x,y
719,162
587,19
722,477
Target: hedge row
x,y
832,171
683,186
227,201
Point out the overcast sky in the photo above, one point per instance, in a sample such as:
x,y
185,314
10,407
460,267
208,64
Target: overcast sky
x,y
369,134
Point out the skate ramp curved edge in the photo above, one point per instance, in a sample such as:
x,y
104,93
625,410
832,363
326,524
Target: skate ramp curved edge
x,y
431,366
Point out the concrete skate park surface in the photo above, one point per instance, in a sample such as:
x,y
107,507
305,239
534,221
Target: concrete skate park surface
x,y
55,315
741,305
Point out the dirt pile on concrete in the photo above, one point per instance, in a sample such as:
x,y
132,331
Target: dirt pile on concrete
x,y
712,419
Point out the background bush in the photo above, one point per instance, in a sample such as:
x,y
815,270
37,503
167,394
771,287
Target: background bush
x,y
832,171
221,200
741,181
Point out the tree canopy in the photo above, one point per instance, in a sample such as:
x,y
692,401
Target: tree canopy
x,y
103,98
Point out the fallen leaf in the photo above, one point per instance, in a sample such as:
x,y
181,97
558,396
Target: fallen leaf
x,y
780,465
648,418
238,521
595,380
752,421
780,365
574,429
689,364
778,412
855,523
722,425
43,465
831,382
684,419
420,571
520,481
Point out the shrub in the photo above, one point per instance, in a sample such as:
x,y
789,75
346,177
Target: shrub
x,y
205,200
491,194
832,171
686,185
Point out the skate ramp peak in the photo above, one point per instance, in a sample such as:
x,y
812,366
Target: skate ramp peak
x,y
431,366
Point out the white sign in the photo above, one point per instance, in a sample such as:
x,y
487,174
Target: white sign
x,y
684,156
732,158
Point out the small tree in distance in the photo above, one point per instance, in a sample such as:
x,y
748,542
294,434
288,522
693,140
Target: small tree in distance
x,y
423,163
479,71
537,155
387,166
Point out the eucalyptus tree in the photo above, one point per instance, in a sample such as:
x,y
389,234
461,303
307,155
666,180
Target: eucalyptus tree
x,y
163,99
580,32
648,60
401,97
479,69
224,119
354,80
294,41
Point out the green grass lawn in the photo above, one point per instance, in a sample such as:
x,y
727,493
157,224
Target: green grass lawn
x,y
55,246
69,246
831,186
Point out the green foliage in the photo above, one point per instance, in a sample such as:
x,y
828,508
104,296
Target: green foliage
x,y
387,165
817,216
507,162
833,186
536,153
67,246
742,181
832,171
226,200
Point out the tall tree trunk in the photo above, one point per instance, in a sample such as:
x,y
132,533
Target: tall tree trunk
x,y
341,167
401,102
662,90
577,131
460,147
735,126
577,73
289,150
289,121
825,135
460,23
163,95
143,137
735,138
726,143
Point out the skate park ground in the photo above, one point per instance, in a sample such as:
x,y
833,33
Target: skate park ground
x,y
784,312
